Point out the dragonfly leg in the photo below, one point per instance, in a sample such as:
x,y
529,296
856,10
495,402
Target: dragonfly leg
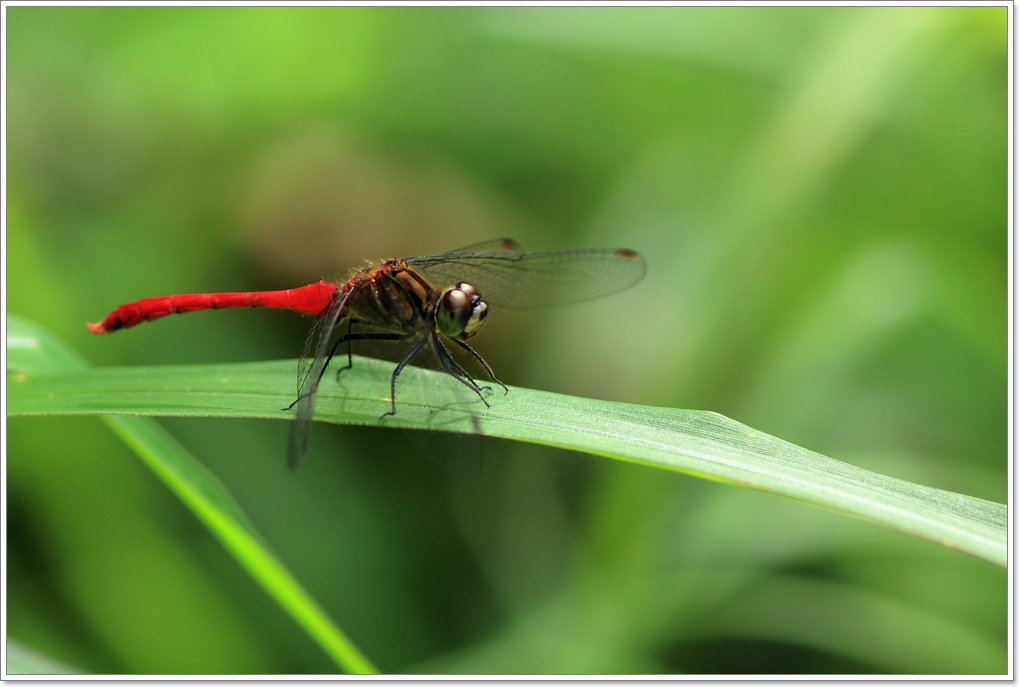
x,y
481,361
396,373
454,369
348,338
436,343
350,345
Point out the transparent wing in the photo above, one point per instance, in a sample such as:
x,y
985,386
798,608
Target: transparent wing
x,y
509,278
311,365
491,246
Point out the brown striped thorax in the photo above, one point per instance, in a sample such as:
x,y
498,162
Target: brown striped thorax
x,y
395,292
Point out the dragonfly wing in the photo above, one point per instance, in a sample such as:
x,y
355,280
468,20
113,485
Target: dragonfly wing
x,y
525,280
491,246
311,366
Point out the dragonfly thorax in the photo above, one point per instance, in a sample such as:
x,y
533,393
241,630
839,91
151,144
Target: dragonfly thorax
x,y
460,311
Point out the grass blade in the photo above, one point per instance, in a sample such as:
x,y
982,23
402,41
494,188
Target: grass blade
x,y
697,443
34,354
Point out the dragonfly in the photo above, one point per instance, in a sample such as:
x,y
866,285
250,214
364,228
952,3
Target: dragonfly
x,y
432,303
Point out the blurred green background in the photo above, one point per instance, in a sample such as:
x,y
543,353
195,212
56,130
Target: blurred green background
x,y
820,193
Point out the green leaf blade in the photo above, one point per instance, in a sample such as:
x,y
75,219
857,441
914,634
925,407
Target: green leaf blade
x,y
45,378
697,443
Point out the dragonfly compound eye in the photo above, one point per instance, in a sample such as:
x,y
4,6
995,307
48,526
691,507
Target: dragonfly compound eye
x,y
461,311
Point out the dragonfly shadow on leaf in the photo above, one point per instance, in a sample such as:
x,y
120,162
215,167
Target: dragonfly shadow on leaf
x,y
457,452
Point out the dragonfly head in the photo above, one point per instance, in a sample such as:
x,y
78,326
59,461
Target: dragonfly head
x,y
460,311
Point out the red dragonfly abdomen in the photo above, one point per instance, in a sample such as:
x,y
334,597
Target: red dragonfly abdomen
x,y
311,300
